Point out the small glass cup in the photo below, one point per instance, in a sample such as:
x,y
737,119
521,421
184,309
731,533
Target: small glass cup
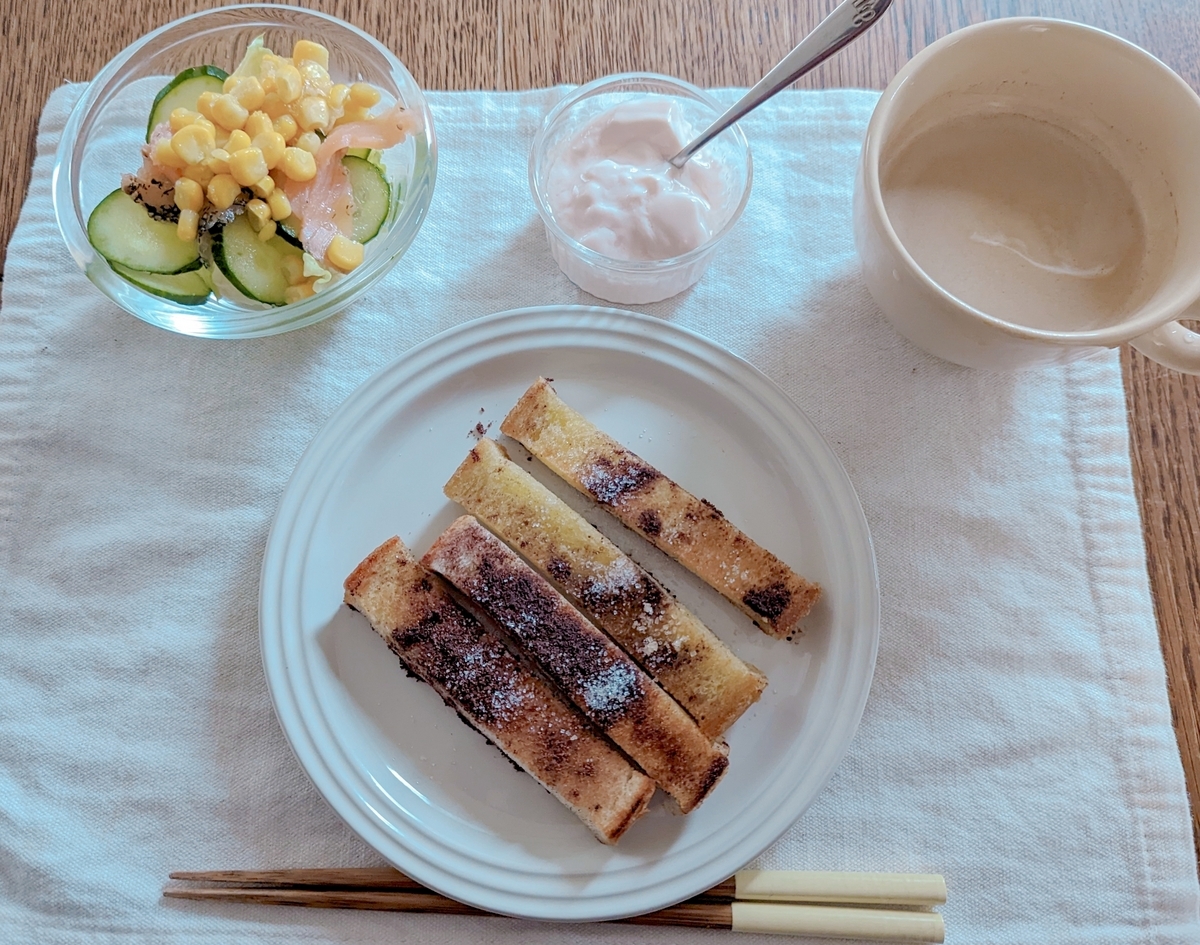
x,y
91,157
636,281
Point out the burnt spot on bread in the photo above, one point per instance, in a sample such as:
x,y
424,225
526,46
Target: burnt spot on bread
x,y
424,585
770,601
650,522
712,776
608,482
558,568
713,511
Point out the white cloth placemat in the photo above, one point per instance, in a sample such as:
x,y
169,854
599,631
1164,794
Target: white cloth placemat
x,y
1017,738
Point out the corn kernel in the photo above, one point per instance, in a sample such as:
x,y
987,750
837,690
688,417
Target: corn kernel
x,y
165,155
355,113
293,269
281,207
274,108
248,92
263,188
316,78
205,123
223,190
192,144
267,231
257,123
312,112
237,140
286,126
272,146
189,223
288,83
364,95
182,117
308,141
200,173
247,166
228,112
259,212
218,161
307,49
298,164
205,103
338,95
344,253
190,196
298,293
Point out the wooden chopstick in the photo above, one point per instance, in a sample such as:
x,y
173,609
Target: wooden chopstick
x,y
389,890
370,877
892,889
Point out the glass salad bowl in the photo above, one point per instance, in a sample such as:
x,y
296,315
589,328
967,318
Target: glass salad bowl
x,y
108,126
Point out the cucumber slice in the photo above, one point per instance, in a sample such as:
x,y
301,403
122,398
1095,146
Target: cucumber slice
x,y
372,199
289,230
184,91
255,268
372,196
367,154
185,288
123,232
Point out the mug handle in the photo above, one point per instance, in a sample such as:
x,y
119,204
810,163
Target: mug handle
x,y
1173,345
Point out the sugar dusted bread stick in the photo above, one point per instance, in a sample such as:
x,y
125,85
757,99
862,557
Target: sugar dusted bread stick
x,y
692,531
594,672
476,675
677,650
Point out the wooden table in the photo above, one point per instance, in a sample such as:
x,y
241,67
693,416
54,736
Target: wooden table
x,y
517,44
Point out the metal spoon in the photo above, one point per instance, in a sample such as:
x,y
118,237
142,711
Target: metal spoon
x,y
847,22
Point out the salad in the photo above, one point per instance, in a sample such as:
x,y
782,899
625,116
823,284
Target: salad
x,y
265,182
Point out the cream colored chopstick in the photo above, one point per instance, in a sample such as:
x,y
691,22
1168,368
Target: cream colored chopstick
x,y
829,921
898,889
389,890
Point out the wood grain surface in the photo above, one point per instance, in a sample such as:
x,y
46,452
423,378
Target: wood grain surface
x,y
517,44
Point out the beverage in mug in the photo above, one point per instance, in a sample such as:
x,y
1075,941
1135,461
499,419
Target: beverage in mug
x,y
1020,201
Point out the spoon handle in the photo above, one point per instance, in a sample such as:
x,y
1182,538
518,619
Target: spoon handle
x,y
848,20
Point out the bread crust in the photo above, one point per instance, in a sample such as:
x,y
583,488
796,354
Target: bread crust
x,y
691,530
676,649
476,675
606,685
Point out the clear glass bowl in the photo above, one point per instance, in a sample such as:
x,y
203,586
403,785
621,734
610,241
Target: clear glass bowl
x,y
624,281
108,125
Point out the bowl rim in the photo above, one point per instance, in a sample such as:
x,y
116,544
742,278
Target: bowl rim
x,y
591,256
246,322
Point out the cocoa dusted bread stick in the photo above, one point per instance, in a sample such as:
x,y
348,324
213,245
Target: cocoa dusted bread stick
x,y
477,676
693,531
676,649
607,686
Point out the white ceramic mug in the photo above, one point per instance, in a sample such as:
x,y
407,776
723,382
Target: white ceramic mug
x,y
1089,82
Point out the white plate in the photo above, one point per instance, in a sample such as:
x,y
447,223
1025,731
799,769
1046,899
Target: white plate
x,y
425,790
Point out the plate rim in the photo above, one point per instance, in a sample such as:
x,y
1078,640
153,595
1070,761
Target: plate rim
x,y
395,844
